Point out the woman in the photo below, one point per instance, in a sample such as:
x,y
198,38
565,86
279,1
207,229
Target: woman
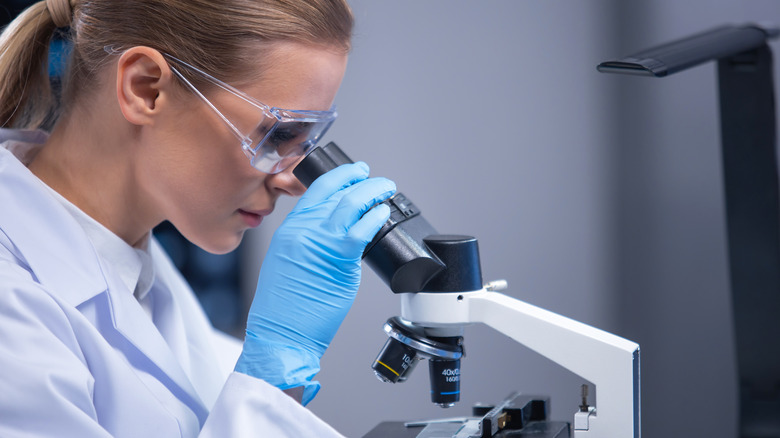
x,y
169,111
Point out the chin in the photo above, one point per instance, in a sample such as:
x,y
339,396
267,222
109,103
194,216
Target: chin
x,y
218,244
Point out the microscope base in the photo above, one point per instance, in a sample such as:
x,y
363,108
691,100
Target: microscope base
x,y
518,416
542,429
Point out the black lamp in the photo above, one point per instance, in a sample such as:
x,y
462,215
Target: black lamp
x,y
747,114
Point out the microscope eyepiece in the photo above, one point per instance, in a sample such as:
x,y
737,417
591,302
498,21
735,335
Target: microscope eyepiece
x,y
398,253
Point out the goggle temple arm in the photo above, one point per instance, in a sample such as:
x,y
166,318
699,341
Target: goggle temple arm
x,y
241,137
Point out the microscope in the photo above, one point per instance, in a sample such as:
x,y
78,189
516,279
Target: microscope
x,y
439,280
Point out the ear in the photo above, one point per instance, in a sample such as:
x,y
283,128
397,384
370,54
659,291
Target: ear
x,y
143,81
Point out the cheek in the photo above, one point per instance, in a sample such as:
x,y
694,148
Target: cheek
x,y
201,201
210,155
200,177
198,171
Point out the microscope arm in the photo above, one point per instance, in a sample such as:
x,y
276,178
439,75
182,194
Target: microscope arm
x,y
608,361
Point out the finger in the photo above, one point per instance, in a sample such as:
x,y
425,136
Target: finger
x,y
332,181
345,191
360,198
366,228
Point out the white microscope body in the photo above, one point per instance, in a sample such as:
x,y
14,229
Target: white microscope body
x,y
608,361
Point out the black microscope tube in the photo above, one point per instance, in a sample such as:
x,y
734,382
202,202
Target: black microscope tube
x,y
397,253
319,161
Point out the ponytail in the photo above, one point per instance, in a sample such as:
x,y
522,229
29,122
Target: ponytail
x,y
26,99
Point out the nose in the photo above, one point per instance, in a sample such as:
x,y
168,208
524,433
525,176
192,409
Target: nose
x,y
285,183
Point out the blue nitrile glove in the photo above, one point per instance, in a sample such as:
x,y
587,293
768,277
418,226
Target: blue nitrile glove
x,y
310,276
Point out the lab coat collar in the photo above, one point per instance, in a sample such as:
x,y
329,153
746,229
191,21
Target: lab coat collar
x,y
35,222
58,253
134,324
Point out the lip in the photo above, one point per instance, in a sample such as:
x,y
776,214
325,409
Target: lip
x,y
253,218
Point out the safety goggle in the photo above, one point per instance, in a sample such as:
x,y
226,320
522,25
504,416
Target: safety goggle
x,y
280,138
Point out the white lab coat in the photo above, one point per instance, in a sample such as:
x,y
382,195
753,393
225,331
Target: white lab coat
x,y
78,355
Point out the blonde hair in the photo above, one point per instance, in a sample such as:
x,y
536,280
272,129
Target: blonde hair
x,y
220,37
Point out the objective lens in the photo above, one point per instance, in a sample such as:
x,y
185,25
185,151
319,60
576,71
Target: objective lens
x,y
407,345
394,362
445,382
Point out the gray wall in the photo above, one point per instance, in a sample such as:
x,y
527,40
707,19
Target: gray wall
x,y
595,196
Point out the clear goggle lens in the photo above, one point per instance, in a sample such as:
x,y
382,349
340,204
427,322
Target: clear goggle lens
x,y
276,143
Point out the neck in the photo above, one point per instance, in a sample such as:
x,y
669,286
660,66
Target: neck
x,y
91,164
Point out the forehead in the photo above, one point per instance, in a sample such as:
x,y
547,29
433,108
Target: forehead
x,y
297,76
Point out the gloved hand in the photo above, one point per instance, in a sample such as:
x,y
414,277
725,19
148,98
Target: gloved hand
x,y
310,276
